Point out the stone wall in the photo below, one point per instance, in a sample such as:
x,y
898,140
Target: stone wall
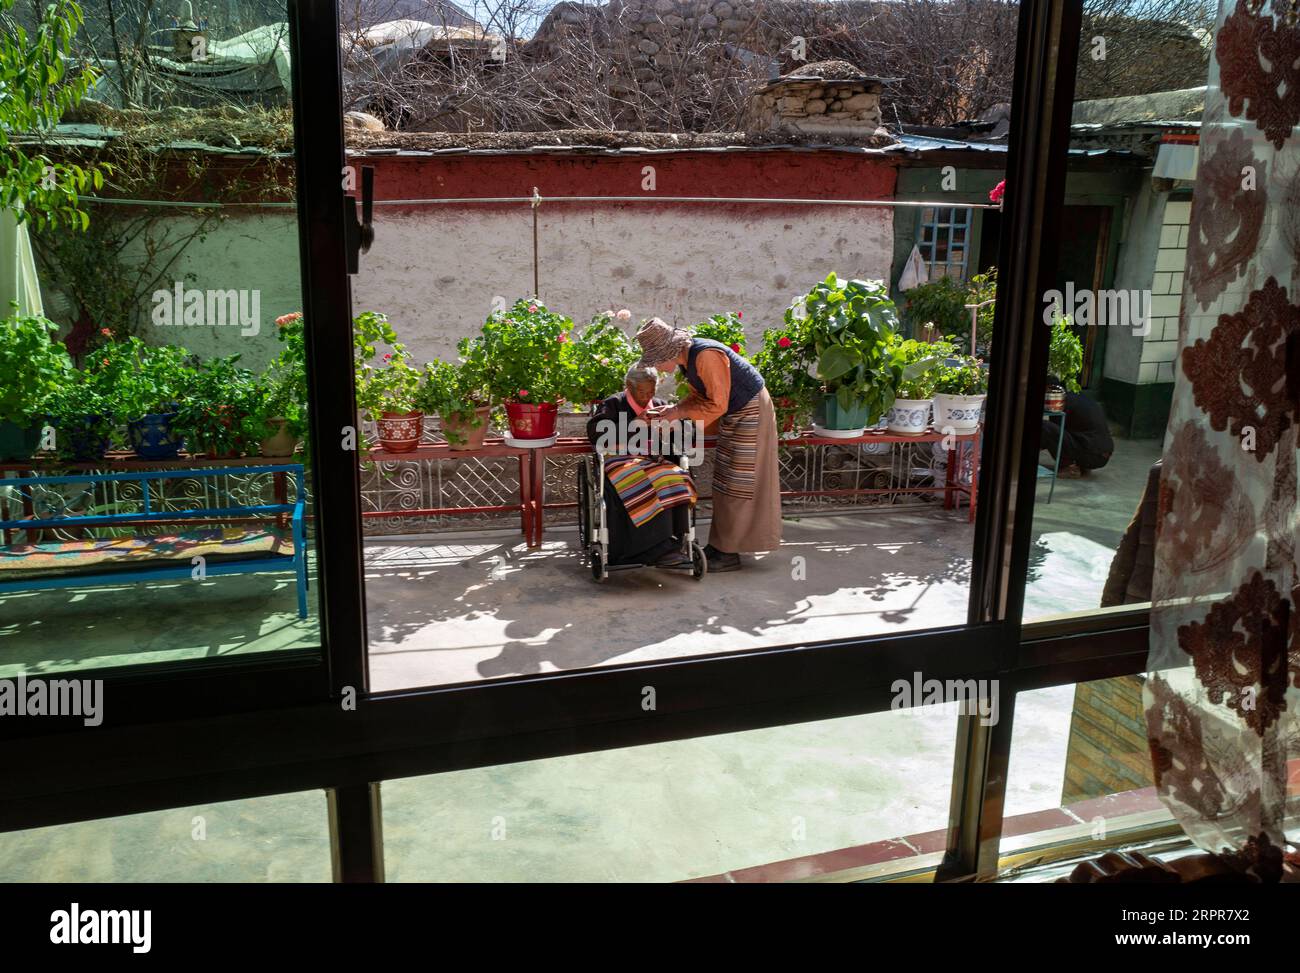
x,y
808,104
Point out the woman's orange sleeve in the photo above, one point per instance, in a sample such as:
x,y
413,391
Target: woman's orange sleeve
x,y
714,371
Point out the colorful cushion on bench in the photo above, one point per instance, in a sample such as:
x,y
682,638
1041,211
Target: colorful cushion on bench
x,y
99,554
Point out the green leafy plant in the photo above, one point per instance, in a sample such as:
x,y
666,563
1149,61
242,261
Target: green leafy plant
x,y
221,413
146,379
283,385
1065,353
943,303
853,329
454,391
726,328
523,355
966,376
920,361
983,288
33,366
394,387
36,88
597,360
785,361
84,413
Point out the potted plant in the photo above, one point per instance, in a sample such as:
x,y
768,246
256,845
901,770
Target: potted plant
x,y
785,361
456,393
526,367
1064,363
388,394
596,361
33,365
220,414
852,325
386,385
84,417
961,386
149,383
726,328
282,393
909,414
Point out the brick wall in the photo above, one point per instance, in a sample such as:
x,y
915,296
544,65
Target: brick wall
x,y
1161,346
1108,750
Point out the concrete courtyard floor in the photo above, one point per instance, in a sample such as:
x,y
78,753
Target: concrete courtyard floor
x,y
454,608
482,607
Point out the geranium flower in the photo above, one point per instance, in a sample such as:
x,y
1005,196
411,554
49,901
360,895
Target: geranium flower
x,y
523,393
740,315
783,342
995,194
106,332
735,346
562,338
532,308
287,319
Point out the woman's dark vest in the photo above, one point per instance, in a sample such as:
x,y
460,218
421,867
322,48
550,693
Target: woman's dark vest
x,y
745,380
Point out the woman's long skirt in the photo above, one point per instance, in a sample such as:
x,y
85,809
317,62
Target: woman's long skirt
x,y
746,480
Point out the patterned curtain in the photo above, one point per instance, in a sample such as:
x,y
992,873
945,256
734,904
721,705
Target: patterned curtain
x,y
1223,693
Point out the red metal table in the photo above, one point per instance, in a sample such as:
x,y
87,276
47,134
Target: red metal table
x,y
957,444
442,451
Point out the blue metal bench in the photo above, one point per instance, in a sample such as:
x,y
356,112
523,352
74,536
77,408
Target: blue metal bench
x,y
151,484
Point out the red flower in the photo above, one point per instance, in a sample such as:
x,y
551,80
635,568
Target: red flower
x,y
735,346
106,332
783,342
532,308
740,315
105,361
995,194
287,319
562,338
523,393
387,357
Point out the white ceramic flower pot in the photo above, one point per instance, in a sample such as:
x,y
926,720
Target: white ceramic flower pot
x,y
909,417
960,413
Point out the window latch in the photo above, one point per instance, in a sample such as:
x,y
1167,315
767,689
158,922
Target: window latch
x,y
360,233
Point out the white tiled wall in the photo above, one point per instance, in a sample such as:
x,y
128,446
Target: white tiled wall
x,y
1161,345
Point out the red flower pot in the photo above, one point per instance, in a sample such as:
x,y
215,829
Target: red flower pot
x,y
531,421
399,432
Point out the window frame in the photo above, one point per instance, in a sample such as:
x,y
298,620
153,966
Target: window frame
x,y
279,724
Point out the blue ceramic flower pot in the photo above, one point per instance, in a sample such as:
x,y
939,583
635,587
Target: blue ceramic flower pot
x,y
152,436
18,443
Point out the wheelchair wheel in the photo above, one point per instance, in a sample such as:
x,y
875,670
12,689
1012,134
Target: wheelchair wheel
x,y
596,555
699,562
584,506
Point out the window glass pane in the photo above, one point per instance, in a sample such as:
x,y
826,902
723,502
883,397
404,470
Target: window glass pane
x,y
284,838
1080,766
765,805
153,501
482,561
1122,283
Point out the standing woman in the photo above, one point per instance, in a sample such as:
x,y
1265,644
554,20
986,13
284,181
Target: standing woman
x,y
726,388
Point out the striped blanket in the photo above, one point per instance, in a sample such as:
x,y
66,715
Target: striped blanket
x,y
735,464
648,486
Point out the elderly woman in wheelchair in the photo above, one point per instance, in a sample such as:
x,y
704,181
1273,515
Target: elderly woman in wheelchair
x,y
636,506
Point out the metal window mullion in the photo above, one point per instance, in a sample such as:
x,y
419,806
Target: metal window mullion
x,y
1043,92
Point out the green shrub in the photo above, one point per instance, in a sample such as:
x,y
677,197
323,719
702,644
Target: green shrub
x,y
33,366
